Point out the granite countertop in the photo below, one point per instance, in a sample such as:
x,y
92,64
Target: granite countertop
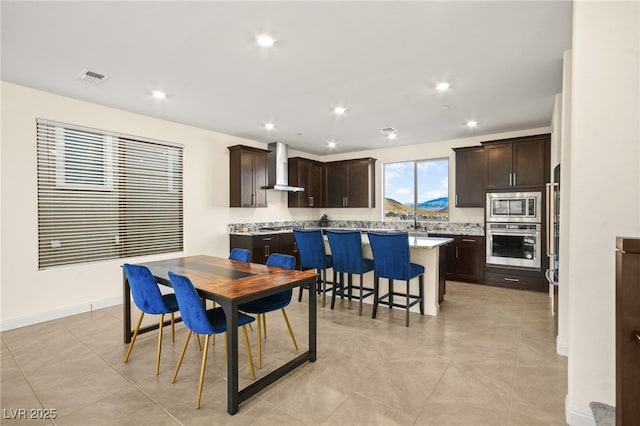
x,y
426,229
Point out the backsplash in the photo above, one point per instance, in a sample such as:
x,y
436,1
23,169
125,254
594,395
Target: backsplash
x,y
433,227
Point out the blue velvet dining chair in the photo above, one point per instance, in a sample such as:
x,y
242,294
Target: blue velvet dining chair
x,y
392,260
240,254
147,297
346,252
313,256
272,303
208,322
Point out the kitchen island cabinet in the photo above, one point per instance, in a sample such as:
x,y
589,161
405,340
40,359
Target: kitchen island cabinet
x,y
247,176
518,163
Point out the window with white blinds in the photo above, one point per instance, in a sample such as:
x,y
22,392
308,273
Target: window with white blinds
x,y
105,196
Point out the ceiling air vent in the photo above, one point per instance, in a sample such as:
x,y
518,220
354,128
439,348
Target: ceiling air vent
x,y
91,77
388,131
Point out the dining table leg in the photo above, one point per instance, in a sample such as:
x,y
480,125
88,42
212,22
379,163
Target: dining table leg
x,y
231,313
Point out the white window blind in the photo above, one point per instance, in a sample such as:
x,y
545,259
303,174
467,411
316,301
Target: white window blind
x,y
105,196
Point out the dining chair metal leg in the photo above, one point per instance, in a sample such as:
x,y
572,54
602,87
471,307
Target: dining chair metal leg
x,y
133,338
184,349
202,370
286,320
246,341
173,328
259,341
198,340
159,343
264,325
390,294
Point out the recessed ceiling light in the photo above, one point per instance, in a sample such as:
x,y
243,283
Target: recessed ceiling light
x,y
331,144
265,40
442,86
269,126
472,123
446,106
158,94
339,110
392,136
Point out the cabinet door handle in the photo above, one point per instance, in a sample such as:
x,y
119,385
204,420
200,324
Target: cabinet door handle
x,y
468,240
514,179
510,179
515,280
456,252
636,336
311,201
266,251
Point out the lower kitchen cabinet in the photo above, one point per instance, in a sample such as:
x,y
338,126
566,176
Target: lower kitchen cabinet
x,y
464,258
523,279
263,245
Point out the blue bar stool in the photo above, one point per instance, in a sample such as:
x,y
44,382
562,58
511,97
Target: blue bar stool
x,y
392,260
313,256
346,252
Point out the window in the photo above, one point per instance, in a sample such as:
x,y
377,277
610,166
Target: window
x,y
417,190
105,196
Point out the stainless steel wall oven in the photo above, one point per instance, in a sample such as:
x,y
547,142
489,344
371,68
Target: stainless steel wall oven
x,y
513,229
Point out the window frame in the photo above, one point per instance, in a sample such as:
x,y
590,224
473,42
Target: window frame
x,y
415,164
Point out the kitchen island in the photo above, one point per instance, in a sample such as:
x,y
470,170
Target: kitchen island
x,y
425,250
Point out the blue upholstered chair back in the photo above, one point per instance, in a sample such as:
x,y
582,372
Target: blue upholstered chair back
x,y
391,256
283,261
144,289
242,255
191,309
346,251
311,248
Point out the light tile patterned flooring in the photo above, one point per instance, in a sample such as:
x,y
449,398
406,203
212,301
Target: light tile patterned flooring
x,y
488,359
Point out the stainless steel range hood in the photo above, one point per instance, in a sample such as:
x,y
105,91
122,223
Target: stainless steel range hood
x,y
278,168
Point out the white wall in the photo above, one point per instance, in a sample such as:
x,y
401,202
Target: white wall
x,y
605,189
29,296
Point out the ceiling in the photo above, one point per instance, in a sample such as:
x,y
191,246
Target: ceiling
x,y
380,60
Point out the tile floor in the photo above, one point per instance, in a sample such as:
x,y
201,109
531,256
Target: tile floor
x,y
488,359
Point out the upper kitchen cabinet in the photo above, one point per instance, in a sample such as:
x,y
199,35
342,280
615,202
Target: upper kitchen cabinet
x,y
307,174
469,176
518,163
247,176
350,183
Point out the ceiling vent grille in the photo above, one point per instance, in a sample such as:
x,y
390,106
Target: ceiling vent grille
x,y
91,77
388,131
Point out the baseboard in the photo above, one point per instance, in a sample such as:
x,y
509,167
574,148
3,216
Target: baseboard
x,y
575,417
562,348
10,324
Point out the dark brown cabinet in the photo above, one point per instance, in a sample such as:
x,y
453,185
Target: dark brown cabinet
x,y
515,278
627,331
464,258
247,176
518,163
350,183
263,245
469,176
309,175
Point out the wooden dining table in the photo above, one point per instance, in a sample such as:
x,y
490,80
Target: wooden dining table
x,y
231,283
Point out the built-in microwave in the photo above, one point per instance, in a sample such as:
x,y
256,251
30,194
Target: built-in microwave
x,y
513,207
